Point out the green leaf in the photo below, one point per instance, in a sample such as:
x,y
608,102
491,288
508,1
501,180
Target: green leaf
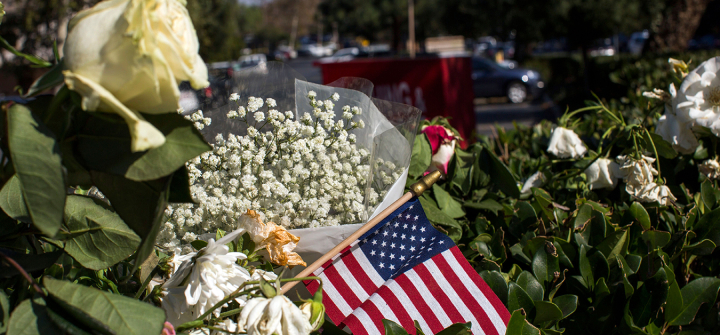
x,y
421,156
30,317
546,311
674,305
499,173
392,328
457,329
704,247
519,326
32,59
436,215
447,204
593,266
518,298
198,244
615,244
4,312
140,204
96,236
567,303
29,262
664,148
545,202
487,204
104,145
36,157
656,238
639,213
707,194
121,314
694,294
13,202
533,288
545,266
180,187
708,227
49,80
497,283
648,298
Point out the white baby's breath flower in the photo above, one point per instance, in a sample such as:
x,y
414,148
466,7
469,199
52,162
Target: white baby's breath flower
x,y
335,96
234,97
232,114
312,95
564,143
270,102
259,116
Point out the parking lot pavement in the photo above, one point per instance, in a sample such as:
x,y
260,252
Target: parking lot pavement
x,y
487,115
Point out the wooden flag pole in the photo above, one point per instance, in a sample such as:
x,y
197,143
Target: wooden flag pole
x,y
415,190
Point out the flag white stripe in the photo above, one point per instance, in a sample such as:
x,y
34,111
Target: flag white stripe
x,y
408,305
453,296
476,292
335,296
351,281
367,267
383,307
429,299
366,321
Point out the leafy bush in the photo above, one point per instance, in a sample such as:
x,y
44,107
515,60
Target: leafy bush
x,y
565,258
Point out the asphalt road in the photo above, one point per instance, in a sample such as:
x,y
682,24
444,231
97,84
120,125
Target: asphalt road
x,y
488,112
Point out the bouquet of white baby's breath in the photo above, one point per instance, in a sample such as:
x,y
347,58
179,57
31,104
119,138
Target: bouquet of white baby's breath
x,y
299,173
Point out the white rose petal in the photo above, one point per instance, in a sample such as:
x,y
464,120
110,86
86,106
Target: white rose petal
x,y
128,56
603,173
564,143
535,180
263,316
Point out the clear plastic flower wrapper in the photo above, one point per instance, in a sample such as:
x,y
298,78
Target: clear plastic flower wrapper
x,y
319,160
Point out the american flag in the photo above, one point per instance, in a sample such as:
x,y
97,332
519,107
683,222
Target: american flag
x,y
403,270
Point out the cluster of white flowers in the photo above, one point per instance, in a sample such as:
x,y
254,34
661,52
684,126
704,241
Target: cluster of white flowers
x,y
638,175
298,173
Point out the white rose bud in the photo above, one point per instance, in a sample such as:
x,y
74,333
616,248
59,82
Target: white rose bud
x,y
536,180
603,173
128,56
564,143
263,316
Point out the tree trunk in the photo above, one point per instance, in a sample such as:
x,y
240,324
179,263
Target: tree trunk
x,y
678,26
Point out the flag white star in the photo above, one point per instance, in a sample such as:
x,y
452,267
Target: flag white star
x,y
385,233
422,229
364,241
412,238
381,265
429,249
402,247
392,267
416,217
402,236
392,256
422,239
407,216
402,258
412,249
414,227
441,242
394,234
382,254
384,244
411,207
405,226
372,253
374,242
392,245
432,239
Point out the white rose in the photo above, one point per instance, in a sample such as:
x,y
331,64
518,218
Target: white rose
x,y
603,173
701,91
654,192
128,56
710,169
263,316
564,143
536,180
675,126
637,174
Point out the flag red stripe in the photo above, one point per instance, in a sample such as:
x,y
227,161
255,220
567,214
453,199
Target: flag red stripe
x,y
341,286
480,314
397,307
417,300
374,313
360,275
489,294
439,294
332,310
356,327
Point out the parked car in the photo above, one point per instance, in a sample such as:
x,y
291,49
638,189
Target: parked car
x,y
314,50
252,60
492,80
342,55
